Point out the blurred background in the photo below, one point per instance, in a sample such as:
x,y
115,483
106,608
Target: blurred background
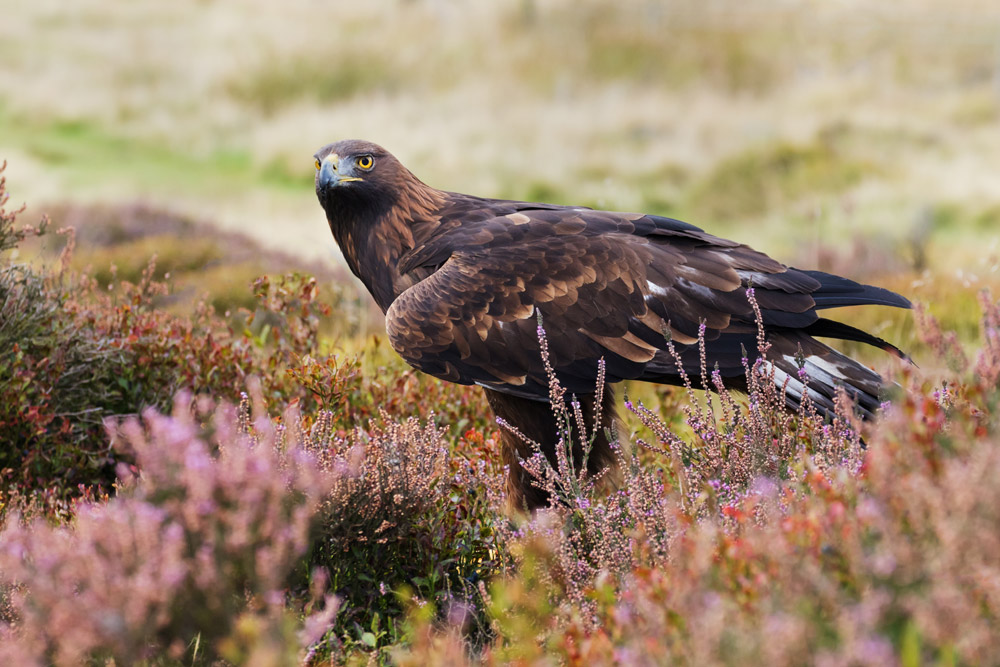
x,y
848,135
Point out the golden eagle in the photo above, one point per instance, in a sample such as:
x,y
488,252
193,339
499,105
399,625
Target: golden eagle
x,y
462,279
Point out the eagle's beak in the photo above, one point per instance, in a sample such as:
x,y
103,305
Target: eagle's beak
x,y
331,172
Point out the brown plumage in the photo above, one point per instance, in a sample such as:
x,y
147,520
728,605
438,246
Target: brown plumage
x,y
462,280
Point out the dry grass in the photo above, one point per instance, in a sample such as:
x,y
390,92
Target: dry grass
x,y
215,108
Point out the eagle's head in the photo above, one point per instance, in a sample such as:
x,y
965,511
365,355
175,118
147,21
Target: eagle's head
x,y
377,210
356,180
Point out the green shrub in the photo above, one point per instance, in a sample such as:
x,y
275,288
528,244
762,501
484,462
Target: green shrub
x,y
57,384
407,516
73,355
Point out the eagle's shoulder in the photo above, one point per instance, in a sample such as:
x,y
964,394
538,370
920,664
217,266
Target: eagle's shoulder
x,y
465,223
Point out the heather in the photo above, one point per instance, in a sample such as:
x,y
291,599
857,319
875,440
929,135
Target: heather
x,y
210,455
189,558
216,531
774,539
76,351
265,484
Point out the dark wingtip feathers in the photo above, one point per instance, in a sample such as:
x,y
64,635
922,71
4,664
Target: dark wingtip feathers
x,y
824,328
836,291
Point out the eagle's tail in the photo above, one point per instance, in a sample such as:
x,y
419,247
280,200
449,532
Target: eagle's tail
x,y
802,366
536,418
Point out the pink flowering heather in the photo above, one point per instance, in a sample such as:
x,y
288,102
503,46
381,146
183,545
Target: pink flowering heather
x,y
775,539
202,540
402,513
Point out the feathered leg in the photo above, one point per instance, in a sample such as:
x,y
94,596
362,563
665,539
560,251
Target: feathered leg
x,y
535,420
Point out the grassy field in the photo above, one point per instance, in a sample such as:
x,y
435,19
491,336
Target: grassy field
x,y
789,124
852,137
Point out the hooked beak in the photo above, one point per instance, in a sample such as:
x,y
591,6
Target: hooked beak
x,y
331,172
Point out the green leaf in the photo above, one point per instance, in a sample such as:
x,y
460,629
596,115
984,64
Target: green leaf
x,y
909,650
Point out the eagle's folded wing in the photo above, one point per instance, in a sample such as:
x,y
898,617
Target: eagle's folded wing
x,y
605,284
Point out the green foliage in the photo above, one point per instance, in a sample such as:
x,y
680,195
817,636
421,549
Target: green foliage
x,y
949,218
224,287
91,151
741,61
406,517
57,383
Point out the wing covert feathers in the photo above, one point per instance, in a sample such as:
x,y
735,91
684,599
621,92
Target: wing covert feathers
x,y
608,285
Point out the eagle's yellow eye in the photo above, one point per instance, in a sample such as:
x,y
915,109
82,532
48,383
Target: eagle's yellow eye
x,y
317,164
366,161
